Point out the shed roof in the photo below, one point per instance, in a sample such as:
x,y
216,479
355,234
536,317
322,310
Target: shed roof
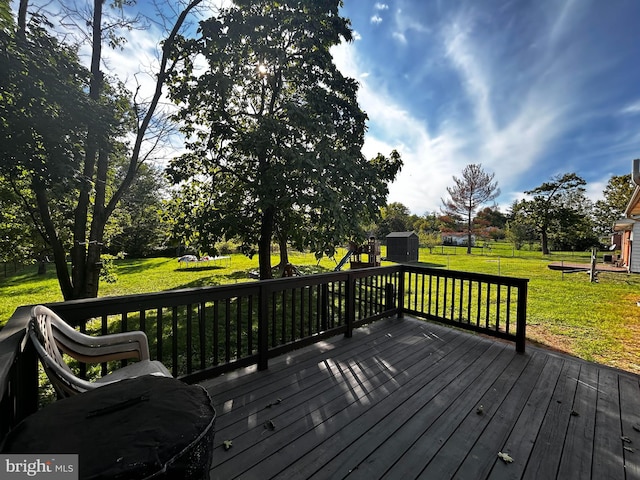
x,y
401,234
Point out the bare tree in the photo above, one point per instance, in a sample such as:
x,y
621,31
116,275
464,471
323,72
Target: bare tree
x,y
475,188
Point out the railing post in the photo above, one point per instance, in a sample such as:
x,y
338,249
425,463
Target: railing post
x,y
263,329
521,325
401,293
350,310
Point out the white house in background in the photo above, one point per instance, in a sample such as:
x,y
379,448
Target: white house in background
x,y
457,238
628,227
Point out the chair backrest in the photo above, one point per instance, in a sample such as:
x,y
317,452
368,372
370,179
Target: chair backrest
x,y
44,323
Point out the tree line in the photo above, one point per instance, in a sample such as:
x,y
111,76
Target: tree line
x,y
556,215
272,132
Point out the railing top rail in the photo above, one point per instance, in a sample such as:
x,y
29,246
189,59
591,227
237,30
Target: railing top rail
x,y
77,310
483,277
12,338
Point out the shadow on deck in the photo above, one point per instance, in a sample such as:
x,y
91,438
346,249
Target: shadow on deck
x,y
407,399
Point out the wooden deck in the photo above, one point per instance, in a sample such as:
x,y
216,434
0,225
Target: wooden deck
x,y
408,399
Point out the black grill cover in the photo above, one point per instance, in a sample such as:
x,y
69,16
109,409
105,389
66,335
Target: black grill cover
x,y
145,427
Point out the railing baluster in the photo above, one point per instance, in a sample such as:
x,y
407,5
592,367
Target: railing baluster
x,y
159,335
469,292
238,327
250,326
437,293
174,341
498,293
227,330
202,334
216,332
430,293
189,352
294,322
453,299
508,309
488,314
104,330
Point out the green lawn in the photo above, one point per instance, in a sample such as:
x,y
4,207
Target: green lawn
x,y
595,321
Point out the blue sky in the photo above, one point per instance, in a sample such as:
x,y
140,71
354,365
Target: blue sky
x,y
528,88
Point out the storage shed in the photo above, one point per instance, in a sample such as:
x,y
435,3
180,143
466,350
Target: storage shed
x,y
402,247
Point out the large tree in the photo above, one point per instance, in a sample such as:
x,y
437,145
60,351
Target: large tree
x,y
66,132
611,208
274,131
395,217
553,208
476,187
137,226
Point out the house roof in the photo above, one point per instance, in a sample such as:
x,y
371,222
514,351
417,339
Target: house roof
x,y
623,224
633,208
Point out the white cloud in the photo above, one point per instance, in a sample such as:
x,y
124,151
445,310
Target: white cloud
x,y
632,109
507,138
517,133
429,161
376,19
400,37
594,190
381,6
407,22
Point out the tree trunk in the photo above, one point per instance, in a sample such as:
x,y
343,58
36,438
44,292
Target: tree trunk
x,y
284,254
82,266
545,242
469,233
264,244
51,237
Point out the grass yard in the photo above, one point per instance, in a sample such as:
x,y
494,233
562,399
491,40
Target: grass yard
x,y
594,321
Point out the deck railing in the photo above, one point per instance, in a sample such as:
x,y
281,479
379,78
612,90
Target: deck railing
x,y
199,333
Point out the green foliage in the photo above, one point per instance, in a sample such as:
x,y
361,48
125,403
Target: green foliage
x,y
137,226
558,212
274,132
43,109
109,268
520,233
429,240
6,19
395,217
611,208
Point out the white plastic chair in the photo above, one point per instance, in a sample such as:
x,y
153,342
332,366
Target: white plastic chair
x,y
52,337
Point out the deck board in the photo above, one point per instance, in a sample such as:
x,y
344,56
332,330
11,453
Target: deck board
x,y
401,399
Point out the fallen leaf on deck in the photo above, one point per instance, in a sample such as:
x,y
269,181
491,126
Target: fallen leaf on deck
x,y
628,449
574,413
227,444
480,410
626,439
269,425
278,401
636,428
505,457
